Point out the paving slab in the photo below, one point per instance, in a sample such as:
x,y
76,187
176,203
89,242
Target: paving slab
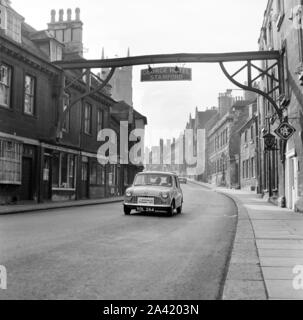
x,y
244,290
279,244
281,253
278,273
280,261
283,289
248,257
249,272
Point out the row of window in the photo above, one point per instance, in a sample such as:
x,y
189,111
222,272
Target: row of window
x,y
6,86
249,168
63,168
64,172
221,140
218,166
29,100
268,34
249,134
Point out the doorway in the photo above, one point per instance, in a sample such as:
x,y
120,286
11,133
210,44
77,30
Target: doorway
x,y
47,177
84,178
26,190
291,179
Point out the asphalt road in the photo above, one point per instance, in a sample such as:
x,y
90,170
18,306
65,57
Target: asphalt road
x,y
98,253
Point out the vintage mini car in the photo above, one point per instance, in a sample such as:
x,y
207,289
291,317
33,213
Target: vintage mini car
x,y
154,192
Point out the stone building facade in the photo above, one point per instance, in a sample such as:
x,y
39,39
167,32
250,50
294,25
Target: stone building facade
x,y
249,156
282,29
223,141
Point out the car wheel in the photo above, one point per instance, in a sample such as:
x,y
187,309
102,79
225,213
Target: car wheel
x,y
171,210
179,210
127,211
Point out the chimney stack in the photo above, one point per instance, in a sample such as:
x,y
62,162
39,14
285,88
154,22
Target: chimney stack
x,y
53,16
77,14
69,14
61,13
68,31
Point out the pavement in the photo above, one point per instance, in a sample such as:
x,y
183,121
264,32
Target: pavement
x,y
32,207
267,257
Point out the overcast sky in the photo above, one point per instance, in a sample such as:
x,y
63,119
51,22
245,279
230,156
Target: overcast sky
x,y
163,26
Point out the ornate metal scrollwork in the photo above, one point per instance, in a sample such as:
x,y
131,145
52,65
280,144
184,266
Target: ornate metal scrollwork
x,y
277,82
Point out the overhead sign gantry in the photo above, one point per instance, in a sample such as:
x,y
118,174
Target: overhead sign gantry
x,y
271,69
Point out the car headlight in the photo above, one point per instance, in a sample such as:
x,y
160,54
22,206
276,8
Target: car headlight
x,y
128,193
164,195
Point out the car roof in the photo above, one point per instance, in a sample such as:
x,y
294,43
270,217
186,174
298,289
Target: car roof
x,y
159,172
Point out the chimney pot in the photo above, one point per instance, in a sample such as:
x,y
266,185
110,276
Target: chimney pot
x,y
69,14
53,16
61,13
77,14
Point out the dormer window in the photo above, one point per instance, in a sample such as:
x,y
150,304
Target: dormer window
x,y
10,22
13,26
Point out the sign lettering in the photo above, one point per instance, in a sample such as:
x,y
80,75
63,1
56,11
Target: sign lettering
x,y
166,74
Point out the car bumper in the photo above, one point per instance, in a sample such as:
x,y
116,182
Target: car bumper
x,y
147,207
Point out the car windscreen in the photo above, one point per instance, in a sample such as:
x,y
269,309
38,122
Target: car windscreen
x,y
153,180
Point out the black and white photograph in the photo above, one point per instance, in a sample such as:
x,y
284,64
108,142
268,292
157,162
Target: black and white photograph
x,y
151,152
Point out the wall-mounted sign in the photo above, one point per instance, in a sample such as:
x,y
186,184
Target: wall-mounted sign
x,y
166,74
285,131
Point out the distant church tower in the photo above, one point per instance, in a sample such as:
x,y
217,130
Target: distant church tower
x,y
121,82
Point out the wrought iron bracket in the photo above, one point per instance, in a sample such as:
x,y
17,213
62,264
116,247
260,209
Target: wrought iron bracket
x,y
249,66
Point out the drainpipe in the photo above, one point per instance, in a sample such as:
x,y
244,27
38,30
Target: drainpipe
x,y
258,159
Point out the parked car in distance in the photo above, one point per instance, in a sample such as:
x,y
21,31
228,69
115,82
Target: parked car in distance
x,y
154,192
183,180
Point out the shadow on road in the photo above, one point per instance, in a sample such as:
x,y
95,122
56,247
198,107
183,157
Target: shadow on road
x,y
155,215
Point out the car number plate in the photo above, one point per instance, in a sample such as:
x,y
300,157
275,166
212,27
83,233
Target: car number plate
x,y
146,201
140,209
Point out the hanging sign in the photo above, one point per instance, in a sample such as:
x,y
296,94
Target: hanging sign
x,y
285,131
166,74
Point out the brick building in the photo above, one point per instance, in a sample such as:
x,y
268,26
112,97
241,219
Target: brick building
x,y
35,163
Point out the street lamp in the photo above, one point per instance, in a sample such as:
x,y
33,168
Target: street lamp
x,y
270,142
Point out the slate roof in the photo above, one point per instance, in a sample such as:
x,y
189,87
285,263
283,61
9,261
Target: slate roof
x,y
28,44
